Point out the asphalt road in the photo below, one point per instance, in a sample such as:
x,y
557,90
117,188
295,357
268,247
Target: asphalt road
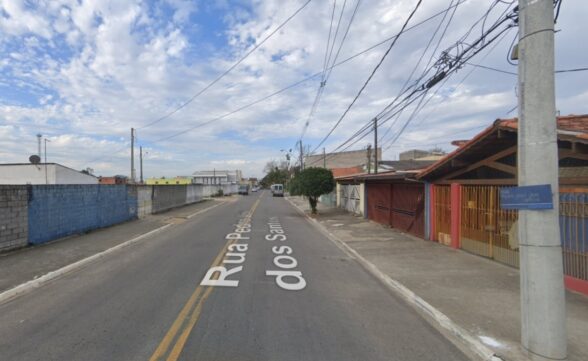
x,y
297,296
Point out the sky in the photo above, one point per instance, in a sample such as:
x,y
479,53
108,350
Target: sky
x,y
84,72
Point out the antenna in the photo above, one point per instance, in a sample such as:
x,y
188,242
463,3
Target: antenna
x,y
35,159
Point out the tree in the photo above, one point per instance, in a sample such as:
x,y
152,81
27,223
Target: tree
x,y
275,176
312,183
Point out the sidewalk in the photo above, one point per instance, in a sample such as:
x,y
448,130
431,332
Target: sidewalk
x,y
30,263
480,295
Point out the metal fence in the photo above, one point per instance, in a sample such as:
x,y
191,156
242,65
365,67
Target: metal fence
x,y
489,231
442,214
486,229
573,220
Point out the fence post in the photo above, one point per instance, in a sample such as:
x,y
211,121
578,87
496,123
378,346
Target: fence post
x,y
455,214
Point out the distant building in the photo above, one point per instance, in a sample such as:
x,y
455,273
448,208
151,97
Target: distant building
x,y
418,154
117,179
217,176
43,173
341,159
169,181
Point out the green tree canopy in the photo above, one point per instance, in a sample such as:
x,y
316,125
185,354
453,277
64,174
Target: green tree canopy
x,y
312,183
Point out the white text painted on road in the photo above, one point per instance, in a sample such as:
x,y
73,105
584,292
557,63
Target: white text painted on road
x,y
235,255
286,278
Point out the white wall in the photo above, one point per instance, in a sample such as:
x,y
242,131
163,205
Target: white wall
x,y
27,174
35,174
69,176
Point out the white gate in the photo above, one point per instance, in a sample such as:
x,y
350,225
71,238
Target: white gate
x,y
351,198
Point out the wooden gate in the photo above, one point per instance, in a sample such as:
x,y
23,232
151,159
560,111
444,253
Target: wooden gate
x,y
379,202
407,210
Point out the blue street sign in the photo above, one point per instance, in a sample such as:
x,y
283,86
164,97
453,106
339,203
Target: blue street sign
x,y
526,197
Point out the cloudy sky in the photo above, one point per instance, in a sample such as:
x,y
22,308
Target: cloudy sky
x,y
83,72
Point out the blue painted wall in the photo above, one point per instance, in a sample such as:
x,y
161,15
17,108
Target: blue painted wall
x,y
57,211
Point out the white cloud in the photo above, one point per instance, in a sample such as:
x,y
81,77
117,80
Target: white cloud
x,y
91,70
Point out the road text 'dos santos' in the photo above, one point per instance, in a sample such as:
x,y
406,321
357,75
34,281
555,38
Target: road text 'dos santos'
x,y
284,270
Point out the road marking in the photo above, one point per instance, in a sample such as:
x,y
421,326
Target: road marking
x,y
190,313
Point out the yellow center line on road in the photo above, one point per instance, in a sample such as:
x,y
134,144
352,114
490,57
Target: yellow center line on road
x,y
190,313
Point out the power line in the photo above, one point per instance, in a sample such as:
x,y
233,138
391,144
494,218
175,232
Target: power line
x,y
447,65
369,78
183,105
326,77
309,77
312,76
403,88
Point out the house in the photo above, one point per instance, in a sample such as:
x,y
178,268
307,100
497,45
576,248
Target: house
x,y
169,181
393,198
463,202
43,173
117,179
217,177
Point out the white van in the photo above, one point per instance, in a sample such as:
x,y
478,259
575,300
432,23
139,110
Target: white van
x,y
277,190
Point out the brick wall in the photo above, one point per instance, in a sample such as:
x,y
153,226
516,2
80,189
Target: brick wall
x,y
13,217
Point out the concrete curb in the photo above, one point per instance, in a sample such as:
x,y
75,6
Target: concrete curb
x,y
38,282
458,335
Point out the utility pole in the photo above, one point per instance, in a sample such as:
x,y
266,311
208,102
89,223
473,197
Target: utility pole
x,y
301,156
46,176
132,155
369,158
543,304
324,158
39,144
141,162
376,145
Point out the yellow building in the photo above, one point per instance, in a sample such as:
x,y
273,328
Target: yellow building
x,y
169,181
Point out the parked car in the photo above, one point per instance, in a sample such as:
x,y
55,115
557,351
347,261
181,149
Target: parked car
x,y
244,189
277,190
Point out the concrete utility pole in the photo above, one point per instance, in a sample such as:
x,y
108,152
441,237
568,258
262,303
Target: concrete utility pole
x,y
301,156
39,144
46,176
132,155
324,158
376,145
369,158
543,311
141,162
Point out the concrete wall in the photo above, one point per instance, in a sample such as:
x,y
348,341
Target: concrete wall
x,y
167,197
35,174
57,211
35,214
144,200
64,175
27,174
13,217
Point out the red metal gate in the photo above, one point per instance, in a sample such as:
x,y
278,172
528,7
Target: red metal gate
x,y
379,202
407,211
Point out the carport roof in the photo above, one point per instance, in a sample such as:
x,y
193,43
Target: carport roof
x,y
497,137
